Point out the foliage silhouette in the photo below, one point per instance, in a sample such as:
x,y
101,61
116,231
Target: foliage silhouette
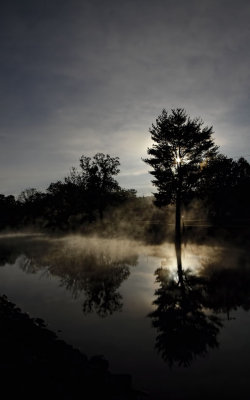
x,y
89,198
96,179
180,146
79,199
225,188
9,215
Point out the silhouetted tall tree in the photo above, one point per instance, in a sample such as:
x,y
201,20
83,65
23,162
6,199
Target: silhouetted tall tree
x,y
180,146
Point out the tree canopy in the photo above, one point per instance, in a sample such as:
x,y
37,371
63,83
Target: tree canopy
x,y
180,147
224,187
96,178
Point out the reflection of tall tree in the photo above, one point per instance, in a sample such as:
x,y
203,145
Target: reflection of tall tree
x,y
187,308
184,329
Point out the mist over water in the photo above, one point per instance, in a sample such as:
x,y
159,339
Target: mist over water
x,y
108,296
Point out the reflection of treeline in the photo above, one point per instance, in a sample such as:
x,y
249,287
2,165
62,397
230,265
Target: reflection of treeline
x,y
93,267
90,199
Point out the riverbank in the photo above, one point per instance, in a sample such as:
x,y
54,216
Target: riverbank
x,y
35,363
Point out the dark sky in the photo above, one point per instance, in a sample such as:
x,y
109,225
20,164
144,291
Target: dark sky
x,y
80,77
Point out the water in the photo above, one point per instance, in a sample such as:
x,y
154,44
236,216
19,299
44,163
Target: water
x,y
98,295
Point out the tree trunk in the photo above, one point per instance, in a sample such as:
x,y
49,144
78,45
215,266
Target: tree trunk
x,y
178,235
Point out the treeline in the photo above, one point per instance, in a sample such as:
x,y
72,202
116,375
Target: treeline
x,y
224,188
90,198
81,197
219,206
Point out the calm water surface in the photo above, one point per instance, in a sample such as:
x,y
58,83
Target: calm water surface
x,y
124,300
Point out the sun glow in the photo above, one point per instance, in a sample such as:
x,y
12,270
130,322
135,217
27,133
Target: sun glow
x,y
178,160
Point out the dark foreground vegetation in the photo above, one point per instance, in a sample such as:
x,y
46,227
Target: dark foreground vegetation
x,y
36,364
